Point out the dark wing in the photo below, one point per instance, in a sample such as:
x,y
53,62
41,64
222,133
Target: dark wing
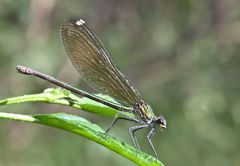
x,y
94,64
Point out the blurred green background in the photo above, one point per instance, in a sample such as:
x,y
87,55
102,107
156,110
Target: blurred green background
x,y
183,56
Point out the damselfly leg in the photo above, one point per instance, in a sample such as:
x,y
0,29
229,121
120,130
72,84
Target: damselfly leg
x,y
149,137
133,136
119,116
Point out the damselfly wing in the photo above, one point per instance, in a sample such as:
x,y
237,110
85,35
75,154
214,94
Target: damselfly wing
x,y
94,63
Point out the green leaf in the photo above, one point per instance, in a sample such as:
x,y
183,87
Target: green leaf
x,y
64,97
83,127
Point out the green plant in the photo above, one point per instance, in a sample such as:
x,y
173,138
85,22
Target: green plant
x,y
76,124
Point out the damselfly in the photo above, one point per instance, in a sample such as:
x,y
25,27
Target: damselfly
x,y
97,68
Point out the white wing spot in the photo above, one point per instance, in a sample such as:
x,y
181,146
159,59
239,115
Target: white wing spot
x,y
80,22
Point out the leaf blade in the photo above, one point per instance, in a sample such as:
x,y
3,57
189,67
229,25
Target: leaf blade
x,y
83,127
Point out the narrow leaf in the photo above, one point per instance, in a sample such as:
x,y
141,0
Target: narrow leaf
x,y
83,127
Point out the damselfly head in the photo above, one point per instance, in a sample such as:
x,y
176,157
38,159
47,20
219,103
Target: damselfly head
x,y
162,122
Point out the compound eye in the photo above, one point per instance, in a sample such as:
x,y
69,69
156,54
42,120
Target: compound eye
x,y
162,122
